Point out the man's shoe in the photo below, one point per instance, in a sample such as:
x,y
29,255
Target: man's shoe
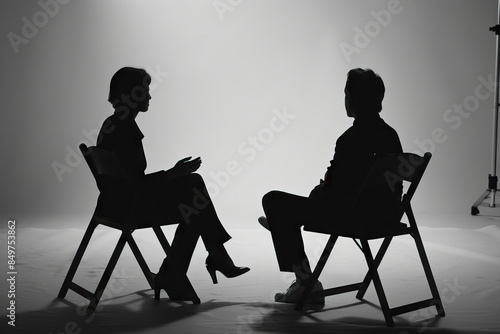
x,y
294,292
263,221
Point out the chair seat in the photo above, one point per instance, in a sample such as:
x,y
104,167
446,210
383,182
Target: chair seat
x,y
118,210
343,230
392,169
112,222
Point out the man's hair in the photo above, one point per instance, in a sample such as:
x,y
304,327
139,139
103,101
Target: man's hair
x,y
127,80
366,90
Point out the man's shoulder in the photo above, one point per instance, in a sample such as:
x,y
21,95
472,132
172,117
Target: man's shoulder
x,y
387,127
389,130
393,139
384,124
364,133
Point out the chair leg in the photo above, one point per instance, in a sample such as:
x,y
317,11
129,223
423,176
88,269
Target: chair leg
x,y
163,240
378,258
425,262
107,273
428,272
377,283
140,259
77,259
317,271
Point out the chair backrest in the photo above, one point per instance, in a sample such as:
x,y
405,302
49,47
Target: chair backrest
x,y
390,171
408,167
103,165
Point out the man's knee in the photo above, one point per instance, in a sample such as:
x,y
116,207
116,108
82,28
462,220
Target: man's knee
x,y
269,199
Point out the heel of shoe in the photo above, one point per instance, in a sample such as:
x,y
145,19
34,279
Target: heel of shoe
x,y
225,266
157,286
212,273
157,292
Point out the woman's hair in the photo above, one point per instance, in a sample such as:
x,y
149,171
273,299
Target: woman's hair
x,y
366,90
128,81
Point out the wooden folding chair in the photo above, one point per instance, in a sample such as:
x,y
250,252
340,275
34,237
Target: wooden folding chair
x,y
394,170
103,163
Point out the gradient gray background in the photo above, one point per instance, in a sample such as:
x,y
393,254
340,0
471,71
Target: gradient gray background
x,y
225,78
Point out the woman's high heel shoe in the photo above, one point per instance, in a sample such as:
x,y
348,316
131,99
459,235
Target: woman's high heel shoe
x,y
158,285
225,266
178,289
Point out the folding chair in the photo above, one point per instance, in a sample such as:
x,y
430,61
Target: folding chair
x,y
104,164
393,170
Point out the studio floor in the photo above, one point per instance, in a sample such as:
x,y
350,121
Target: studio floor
x,y
463,252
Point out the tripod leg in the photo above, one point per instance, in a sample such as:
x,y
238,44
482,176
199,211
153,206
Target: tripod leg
x,y
474,209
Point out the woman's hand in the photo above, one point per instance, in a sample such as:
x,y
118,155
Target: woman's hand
x,y
187,166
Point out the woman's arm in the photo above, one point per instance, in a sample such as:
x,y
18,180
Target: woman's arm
x,y
184,167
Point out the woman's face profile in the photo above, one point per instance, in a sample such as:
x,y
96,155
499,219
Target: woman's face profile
x,y
143,105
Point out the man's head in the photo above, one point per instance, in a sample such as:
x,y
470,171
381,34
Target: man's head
x,y
364,92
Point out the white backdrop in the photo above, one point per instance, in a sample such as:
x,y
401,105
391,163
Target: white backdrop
x,y
254,87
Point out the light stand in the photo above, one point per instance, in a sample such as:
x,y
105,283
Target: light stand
x,y
492,178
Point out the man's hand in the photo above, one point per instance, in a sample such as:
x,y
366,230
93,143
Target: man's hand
x,y
187,166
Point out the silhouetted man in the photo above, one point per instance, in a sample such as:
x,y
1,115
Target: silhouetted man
x,y
354,153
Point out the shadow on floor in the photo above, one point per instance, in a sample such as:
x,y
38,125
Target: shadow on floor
x,y
139,312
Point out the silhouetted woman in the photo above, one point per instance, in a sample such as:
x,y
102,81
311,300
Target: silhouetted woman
x,y
174,195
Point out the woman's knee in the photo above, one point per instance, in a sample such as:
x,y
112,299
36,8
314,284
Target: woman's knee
x,y
194,180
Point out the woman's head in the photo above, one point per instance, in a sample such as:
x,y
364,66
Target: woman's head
x,y
364,92
129,87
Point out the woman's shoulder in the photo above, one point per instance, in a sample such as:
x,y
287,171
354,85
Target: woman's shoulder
x,y
112,128
115,122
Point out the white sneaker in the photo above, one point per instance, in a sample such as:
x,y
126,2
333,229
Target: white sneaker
x,y
294,292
